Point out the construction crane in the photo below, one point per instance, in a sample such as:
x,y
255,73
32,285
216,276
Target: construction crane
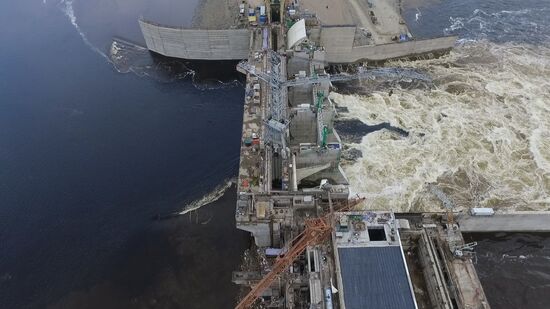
x,y
316,231
446,202
279,84
466,250
275,78
454,239
362,73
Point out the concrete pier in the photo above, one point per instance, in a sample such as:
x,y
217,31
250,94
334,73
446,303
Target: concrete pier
x,y
523,221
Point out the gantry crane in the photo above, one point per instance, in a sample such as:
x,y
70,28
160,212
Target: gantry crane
x,y
275,78
279,84
316,231
447,203
454,239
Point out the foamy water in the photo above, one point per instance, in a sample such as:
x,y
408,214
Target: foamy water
x,y
482,134
208,198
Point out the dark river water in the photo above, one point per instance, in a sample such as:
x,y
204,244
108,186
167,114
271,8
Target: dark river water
x,y
92,150
88,156
514,268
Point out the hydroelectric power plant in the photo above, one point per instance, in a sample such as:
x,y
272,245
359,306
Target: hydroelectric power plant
x,y
315,244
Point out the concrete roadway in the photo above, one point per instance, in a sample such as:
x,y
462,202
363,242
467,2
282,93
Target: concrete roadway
x,y
535,221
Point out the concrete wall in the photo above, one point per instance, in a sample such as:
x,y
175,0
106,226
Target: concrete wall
x,y
260,232
522,221
232,44
303,128
338,43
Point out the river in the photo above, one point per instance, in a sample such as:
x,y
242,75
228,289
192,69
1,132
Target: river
x,y
97,140
90,156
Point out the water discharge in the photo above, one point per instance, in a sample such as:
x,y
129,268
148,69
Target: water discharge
x,y
128,57
482,133
525,25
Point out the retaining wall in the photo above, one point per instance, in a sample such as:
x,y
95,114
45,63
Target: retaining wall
x,y
338,43
231,44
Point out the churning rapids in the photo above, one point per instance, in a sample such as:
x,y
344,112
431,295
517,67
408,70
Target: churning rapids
x,y
482,133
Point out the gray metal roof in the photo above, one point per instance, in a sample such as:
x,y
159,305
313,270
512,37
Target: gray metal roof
x,y
375,278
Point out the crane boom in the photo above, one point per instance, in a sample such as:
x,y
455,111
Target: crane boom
x,y
373,73
445,200
274,75
317,230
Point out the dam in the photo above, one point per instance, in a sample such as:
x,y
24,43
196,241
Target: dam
x,y
351,33
315,246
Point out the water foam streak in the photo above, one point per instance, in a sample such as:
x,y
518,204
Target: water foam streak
x,y
209,198
67,8
127,57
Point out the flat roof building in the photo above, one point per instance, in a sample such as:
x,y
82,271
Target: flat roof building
x,y
373,270
375,277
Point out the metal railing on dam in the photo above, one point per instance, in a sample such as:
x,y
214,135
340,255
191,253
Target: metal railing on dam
x,y
200,44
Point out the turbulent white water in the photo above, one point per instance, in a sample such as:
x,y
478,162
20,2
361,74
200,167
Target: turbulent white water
x,y
483,133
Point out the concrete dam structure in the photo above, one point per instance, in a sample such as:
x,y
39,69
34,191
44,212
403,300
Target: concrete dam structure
x,y
315,245
341,47
232,44
342,44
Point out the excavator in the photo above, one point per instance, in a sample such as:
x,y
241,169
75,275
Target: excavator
x,y
316,231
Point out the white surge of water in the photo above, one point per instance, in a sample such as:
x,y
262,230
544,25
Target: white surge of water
x,y
209,198
483,133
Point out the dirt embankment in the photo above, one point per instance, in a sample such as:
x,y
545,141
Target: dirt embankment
x,y
216,14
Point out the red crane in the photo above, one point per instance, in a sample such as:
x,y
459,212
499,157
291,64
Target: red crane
x,y
316,231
